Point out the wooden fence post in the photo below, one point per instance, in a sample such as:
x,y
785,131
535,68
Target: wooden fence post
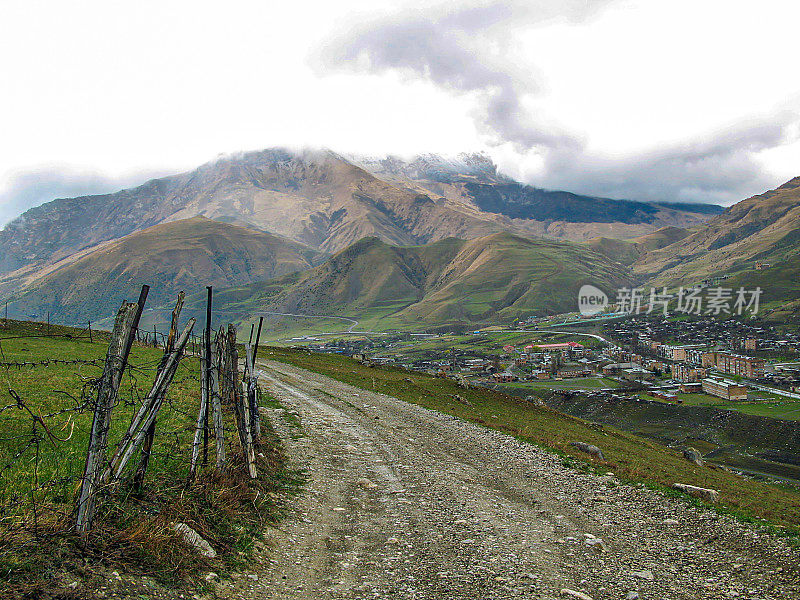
x,y
218,385
169,347
242,405
201,426
153,402
145,417
108,389
251,387
258,339
209,366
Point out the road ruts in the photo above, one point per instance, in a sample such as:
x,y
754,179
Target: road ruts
x,y
403,502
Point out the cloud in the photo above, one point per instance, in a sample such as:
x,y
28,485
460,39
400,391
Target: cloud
x,y
720,167
468,52
31,188
462,51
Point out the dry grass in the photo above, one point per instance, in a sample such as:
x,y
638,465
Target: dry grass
x,y
133,531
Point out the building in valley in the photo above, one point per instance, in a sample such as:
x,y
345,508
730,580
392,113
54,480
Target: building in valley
x,y
724,388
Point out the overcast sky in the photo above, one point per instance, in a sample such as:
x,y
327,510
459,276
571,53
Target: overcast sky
x,y
643,99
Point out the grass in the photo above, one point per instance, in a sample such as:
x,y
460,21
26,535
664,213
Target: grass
x,y
630,457
291,418
492,279
577,383
40,471
768,405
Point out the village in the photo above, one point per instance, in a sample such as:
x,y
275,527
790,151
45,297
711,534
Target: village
x,y
695,361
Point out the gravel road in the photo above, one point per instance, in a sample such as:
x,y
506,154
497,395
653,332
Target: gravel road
x,y
403,502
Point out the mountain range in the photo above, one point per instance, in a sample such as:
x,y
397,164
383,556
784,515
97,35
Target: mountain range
x,y
425,240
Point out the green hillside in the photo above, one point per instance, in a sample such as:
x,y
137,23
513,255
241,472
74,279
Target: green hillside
x,y
764,228
622,251
179,255
780,299
627,252
661,238
495,278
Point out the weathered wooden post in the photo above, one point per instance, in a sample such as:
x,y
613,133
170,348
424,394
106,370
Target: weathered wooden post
x,y
218,384
208,363
139,428
201,426
258,339
251,388
169,347
108,389
242,405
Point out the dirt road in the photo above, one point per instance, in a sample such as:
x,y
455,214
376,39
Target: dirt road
x,y
403,502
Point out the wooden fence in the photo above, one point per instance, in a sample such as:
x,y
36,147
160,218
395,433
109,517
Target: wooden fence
x,y
222,389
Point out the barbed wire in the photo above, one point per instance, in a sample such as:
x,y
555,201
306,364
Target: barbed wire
x,y
46,412
41,457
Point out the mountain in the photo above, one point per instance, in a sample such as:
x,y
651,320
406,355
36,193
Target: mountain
x,y
179,255
471,183
494,278
255,216
314,197
764,228
328,202
628,252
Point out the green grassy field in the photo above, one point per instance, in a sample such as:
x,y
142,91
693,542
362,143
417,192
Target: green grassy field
x,y
578,383
485,342
772,406
42,454
632,458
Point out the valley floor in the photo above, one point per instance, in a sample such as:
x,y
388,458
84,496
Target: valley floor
x,y
404,502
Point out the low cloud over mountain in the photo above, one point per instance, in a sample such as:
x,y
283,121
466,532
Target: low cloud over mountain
x,y
466,53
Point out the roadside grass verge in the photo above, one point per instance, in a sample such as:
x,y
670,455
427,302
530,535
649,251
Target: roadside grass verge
x,y
40,470
290,417
631,458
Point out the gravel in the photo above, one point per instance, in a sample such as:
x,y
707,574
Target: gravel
x,y
404,502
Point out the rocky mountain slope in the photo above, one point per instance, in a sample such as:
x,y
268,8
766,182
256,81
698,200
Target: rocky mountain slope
x,y
179,255
498,277
471,183
321,199
316,198
764,228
